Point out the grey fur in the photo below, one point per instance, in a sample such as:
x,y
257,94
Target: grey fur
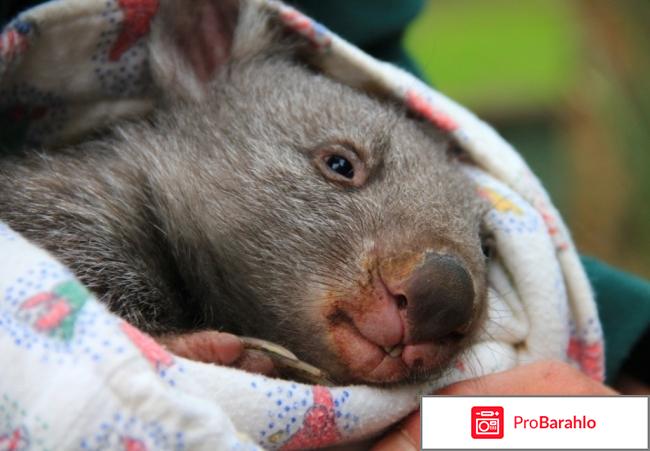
x,y
210,213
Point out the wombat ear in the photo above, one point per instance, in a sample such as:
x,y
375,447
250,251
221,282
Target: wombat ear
x,y
190,41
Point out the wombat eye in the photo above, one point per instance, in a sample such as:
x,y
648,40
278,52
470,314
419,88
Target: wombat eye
x,y
456,152
487,250
341,164
487,245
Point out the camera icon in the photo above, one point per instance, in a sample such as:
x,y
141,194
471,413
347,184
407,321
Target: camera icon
x,y
487,422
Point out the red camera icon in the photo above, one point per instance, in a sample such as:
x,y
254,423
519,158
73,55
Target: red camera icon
x,y
487,422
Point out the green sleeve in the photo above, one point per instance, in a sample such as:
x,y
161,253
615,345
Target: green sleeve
x,y
376,26
624,309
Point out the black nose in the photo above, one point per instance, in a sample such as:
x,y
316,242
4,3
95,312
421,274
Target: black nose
x,y
439,296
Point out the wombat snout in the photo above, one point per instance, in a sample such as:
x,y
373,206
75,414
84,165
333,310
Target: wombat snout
x,y
439,299
415,312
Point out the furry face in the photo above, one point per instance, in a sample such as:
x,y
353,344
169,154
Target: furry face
x,y
267,200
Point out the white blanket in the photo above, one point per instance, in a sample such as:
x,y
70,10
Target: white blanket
x,y
73,376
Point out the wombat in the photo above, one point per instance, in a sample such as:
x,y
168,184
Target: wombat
x,y
264,199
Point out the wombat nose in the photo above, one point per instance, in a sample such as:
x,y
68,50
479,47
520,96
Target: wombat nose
x,y
439,296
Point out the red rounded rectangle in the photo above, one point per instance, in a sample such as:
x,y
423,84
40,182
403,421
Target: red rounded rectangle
x,y
487,422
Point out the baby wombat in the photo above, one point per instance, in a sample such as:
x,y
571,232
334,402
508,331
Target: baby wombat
x,y
266,200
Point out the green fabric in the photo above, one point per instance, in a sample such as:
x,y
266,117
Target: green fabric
x,y
10,8
624,308
376,26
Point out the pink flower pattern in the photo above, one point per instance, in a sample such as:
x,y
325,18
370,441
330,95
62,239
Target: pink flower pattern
x,y
319,425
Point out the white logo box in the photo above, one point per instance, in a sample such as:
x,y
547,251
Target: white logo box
x,y
535,422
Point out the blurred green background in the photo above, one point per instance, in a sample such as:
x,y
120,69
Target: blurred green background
x,y
568,83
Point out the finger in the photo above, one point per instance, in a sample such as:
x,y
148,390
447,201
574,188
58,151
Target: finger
x,y
539,378
207,346
255,362
405,437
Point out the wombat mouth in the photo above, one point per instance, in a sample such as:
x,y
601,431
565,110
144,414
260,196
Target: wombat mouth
x,y
404,362
407,317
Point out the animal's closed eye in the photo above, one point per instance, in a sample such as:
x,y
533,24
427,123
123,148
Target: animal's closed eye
x,y
488,245
456,152
341,164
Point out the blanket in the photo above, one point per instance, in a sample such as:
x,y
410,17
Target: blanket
x,y
73,375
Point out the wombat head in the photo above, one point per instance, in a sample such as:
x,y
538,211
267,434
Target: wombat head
x,y
309,213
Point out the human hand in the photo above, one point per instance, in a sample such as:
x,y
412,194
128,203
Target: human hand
x,y
547,377
403,437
